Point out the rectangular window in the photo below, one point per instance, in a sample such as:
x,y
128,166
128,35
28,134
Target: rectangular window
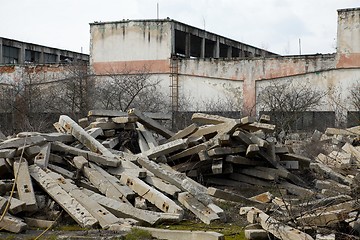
x,y
32,56
10,54
49,58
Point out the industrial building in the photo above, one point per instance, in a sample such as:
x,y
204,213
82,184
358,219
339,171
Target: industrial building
x,y
204,66
198,66
17,52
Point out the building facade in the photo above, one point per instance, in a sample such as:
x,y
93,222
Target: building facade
x,y
17,52
201,66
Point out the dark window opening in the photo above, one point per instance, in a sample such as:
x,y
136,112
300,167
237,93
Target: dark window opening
x,y
223,51
10,54
49,58
65,59
180,40
235,52
195,46
32,56
209,48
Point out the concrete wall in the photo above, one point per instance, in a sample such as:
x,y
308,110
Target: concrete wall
x,y
337,84
130,44
10,74
237,78
348,38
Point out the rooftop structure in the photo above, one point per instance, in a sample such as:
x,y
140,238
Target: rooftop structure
x,y
17,52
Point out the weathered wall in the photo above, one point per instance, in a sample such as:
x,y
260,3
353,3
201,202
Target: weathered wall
x,y
37,72
131,44
237,78
337,83
348,38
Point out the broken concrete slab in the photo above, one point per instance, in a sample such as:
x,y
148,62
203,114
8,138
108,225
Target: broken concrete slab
x,y
184,133
68,203
92,157
13,224
203,118
204,213
166,148
162,185
102,215
273,226
329,173
85,138
24,185
16,205
161,201
123,210
150,123
42,158
19,142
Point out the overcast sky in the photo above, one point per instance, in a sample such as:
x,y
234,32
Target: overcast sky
x,y
275,25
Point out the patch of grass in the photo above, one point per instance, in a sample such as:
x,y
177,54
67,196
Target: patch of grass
x,y
10,237
74,227
50,237
229,230
138,234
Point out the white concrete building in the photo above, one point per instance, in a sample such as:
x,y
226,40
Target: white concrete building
x,y
202,66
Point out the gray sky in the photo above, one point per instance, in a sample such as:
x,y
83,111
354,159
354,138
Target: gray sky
x,y
276,25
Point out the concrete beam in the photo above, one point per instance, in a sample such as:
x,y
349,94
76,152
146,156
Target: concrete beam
x,y
82,216
154,196
101,214
150,123
13,224
85,138
124,210
24,185
92,157
204,213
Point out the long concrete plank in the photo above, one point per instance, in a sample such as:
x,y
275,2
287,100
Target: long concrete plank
x,y
82,216
123,210
92,157
150,123
154,196
104,217
84,137
24,185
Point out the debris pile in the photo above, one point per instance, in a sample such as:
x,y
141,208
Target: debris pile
x,y
121,170
332,211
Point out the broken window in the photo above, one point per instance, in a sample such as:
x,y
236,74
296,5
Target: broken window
x,y
10,54
32,56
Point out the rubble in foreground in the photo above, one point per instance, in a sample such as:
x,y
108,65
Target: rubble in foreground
x,y
118,171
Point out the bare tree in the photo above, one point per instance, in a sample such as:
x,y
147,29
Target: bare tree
x,y
355,96
23,104
74,94
128,88
286,102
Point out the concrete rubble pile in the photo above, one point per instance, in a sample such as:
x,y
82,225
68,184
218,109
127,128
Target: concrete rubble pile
x,y
331,210
122,170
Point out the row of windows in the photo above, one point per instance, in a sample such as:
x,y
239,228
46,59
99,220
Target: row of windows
x,y
10,55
